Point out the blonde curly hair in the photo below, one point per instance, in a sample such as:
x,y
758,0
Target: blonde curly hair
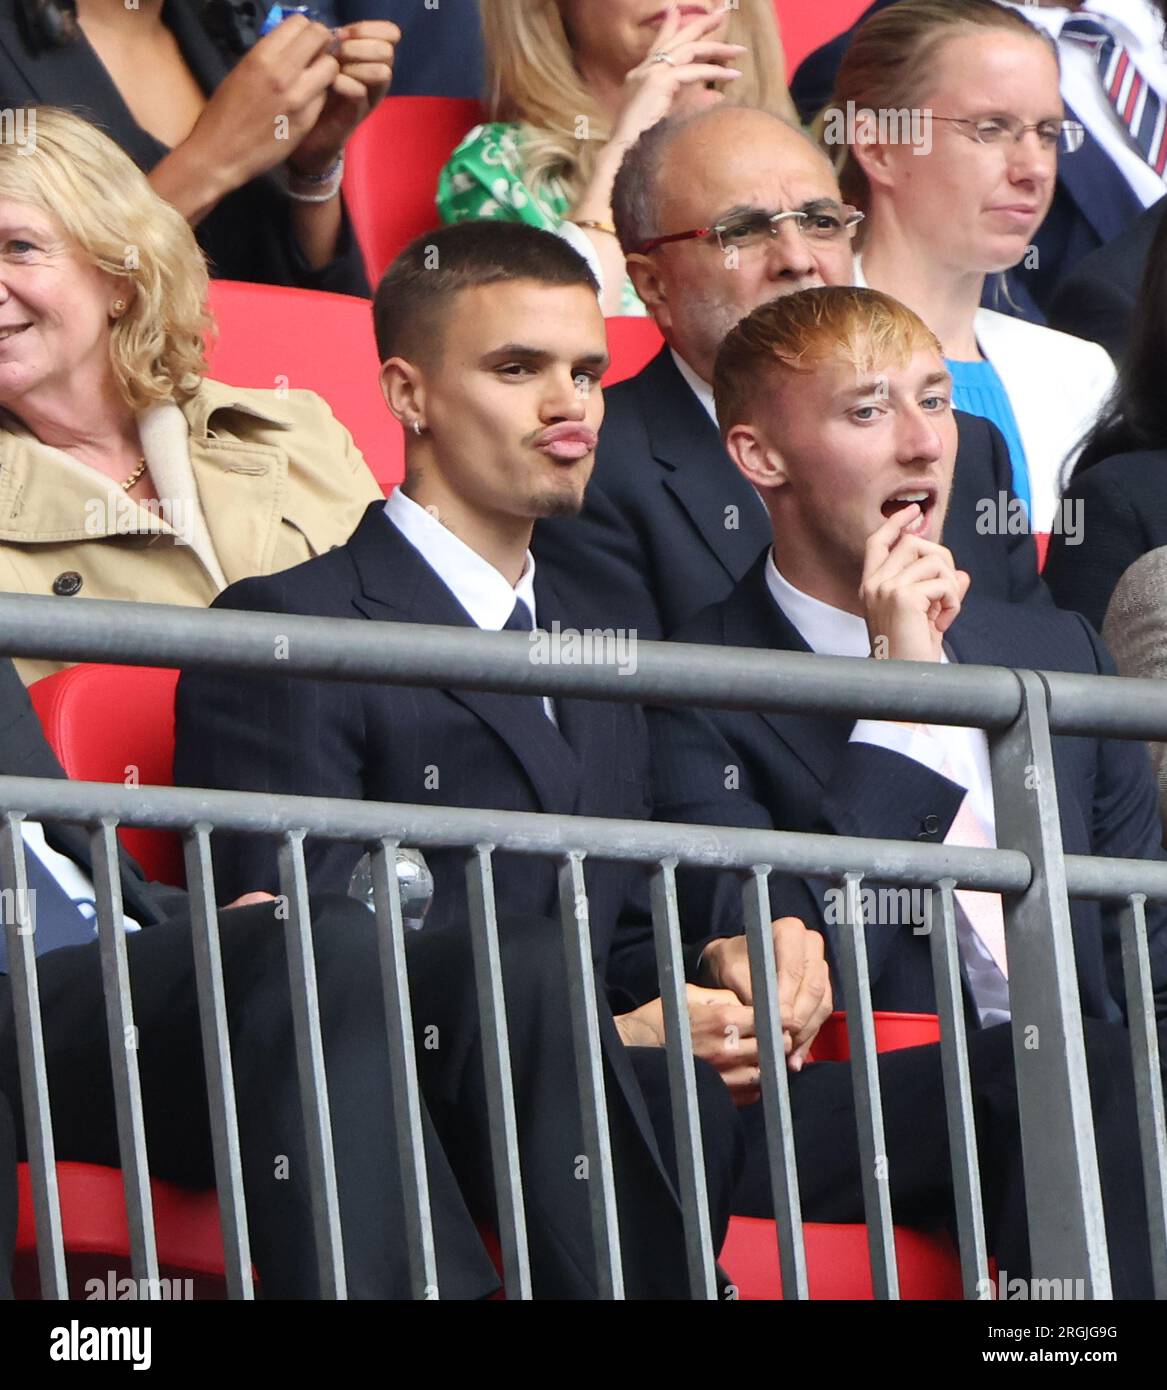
x,y
532,79
72,172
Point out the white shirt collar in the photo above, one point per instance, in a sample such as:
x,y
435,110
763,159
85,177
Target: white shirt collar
x,y
698,385
827,630
824,628
474,582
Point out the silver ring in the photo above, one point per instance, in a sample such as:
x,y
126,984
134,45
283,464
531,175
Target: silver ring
x,y
660,56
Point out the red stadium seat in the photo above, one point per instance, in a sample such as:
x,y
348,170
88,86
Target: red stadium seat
x,y
892,1031
806,27
838,1264
632,343
96,1235
391,168
276,338
110,724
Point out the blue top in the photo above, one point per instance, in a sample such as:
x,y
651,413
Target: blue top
x,y
977,389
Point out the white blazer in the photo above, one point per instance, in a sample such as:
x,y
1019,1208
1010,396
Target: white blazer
x,y
1056,384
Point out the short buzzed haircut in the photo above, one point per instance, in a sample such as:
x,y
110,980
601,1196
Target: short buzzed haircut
x,y
417,292
797,332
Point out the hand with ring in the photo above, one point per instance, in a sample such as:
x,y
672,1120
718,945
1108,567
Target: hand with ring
x,y
676,75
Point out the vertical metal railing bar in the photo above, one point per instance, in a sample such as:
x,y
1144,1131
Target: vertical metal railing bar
x,y
1140,1013
123,1056
775,1087
589,1067
208,959
666,928
30,1054
1067,1235
415,1191
873,1160
962,1136
500,1095
310,1067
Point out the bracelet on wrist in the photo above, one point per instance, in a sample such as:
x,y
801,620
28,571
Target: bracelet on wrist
x,y
316,188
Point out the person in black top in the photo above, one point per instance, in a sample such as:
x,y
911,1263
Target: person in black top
x,y
442,53
1116,500
249,149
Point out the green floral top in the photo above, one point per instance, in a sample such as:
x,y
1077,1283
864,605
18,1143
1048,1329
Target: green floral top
x,y
484,178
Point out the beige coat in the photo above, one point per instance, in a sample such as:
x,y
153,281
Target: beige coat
x,y
1135,630
249,482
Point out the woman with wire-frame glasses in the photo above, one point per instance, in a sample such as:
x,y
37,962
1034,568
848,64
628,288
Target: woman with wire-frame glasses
x,y
947,125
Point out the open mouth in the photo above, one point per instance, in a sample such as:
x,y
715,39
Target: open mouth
x,y
12,330
924,498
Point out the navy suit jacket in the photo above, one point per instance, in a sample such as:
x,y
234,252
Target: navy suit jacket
x,y
1097,299
1122,505
1092,202
393,743
800,772
669,525
248,235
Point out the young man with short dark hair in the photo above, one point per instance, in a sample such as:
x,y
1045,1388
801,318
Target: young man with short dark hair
x,y
492,347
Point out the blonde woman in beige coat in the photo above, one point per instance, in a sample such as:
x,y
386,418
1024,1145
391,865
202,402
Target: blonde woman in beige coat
x,y
124,472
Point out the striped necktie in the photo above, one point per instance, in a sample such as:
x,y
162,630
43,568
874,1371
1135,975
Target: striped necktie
x,y
1135,103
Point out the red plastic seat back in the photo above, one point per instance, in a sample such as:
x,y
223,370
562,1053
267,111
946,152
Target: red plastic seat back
x,y
274,337
97,1238
114,724
391,171
892,1031
632,344
806,27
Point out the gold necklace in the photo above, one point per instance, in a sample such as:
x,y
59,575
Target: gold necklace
x,y
135,475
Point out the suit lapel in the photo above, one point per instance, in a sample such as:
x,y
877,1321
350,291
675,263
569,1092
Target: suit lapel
x,y
753,619
696,469
1101,194
397,585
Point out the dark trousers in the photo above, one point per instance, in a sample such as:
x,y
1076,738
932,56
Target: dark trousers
x,y
352,1023
918,1165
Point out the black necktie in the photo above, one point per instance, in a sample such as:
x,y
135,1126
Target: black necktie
x,y
521,621
55,917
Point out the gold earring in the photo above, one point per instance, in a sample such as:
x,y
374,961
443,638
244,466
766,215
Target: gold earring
x,y
119,308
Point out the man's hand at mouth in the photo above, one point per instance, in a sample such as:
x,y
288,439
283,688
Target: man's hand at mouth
x,y
911,590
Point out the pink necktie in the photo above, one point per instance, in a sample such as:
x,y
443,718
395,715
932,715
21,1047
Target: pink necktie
x,y
983,910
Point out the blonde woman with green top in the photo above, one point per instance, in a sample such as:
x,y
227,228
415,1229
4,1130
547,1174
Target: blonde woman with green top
x,y
573,83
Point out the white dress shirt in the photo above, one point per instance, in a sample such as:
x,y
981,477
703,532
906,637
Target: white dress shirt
x,y
833,632
475,583
1139,28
